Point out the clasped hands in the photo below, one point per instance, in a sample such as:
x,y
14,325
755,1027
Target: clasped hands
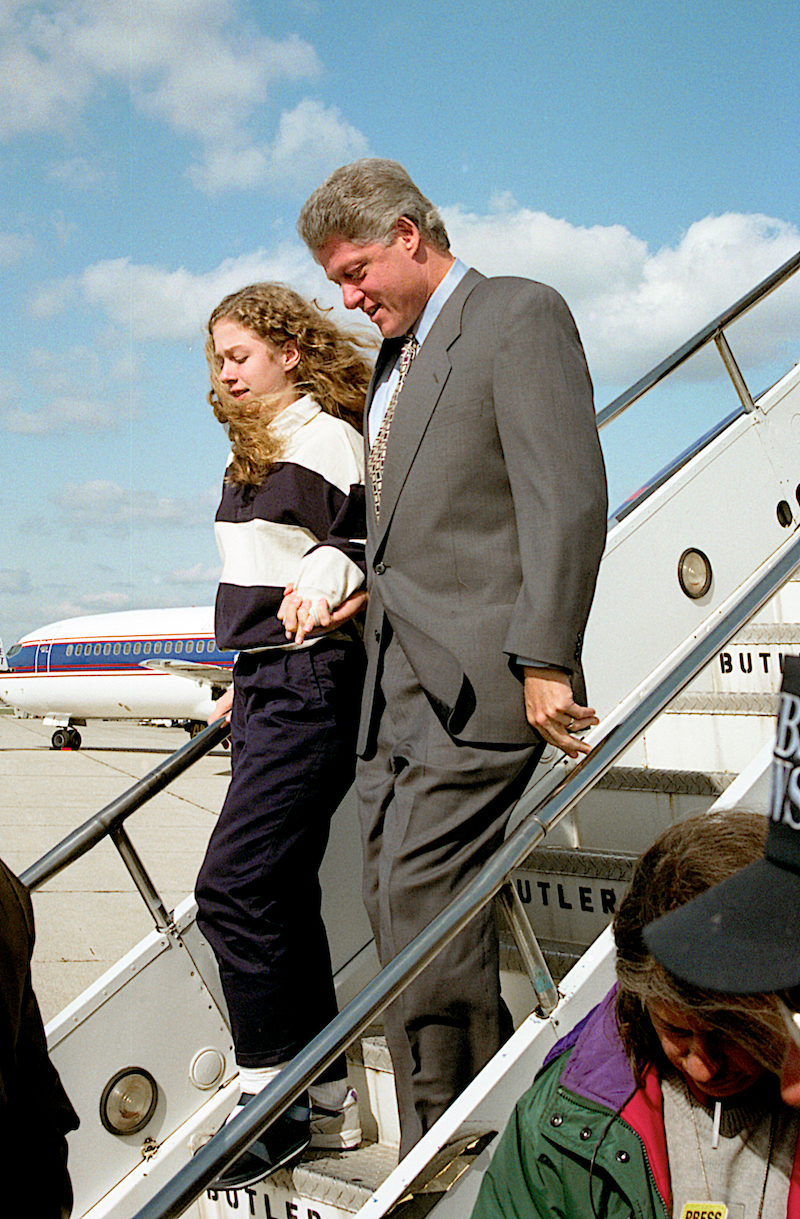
x,y
300,616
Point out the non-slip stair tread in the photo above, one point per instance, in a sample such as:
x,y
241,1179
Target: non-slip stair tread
x,y
340,1178
670,782
576,861
348,1179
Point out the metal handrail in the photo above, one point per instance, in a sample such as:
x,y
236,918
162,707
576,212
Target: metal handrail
x,y
110,819
234,1138
703,337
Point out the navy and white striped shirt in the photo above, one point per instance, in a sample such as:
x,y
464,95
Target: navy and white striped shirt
x,y
303,525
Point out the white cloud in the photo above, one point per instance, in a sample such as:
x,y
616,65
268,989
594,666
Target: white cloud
x,y
96,603
105,505
513,240
202,67
55,609
14,247
155,304
43,86
199,574
634,306
61,413
78,389
77,173
311,140
54,297
15,581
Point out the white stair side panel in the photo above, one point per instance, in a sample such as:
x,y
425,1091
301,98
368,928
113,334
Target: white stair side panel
x,y
640,615
153,1011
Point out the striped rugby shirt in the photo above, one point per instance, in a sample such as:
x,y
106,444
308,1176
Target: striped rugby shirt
x,y
305,524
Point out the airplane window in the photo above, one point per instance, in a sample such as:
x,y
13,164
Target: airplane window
x,y
210,645
14,650
157,646
147,648
117,649
168,646
97,649
188,645
106,649
137,647
127,649
78,649
69,649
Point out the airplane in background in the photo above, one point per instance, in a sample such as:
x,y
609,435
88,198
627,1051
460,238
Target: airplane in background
x,y
135,664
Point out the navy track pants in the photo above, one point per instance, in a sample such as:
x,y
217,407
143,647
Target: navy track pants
x,y
293,733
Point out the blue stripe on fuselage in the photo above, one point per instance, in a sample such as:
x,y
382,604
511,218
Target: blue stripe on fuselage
x,y
110,655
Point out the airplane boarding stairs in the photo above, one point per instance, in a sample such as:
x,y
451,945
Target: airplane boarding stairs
x,y
735,502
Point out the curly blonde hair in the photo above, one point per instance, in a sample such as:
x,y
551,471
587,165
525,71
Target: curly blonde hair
x,y
332,368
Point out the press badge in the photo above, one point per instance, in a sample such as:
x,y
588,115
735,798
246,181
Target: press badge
x,y
704,1210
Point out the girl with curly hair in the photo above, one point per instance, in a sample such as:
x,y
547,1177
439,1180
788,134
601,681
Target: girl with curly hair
x,y
289,387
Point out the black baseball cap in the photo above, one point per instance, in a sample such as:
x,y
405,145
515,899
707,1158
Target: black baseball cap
x,y
743,935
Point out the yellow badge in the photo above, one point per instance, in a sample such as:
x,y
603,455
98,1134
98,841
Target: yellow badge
x,y
704,1210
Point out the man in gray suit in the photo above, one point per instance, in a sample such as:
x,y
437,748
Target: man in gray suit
x,y
486,520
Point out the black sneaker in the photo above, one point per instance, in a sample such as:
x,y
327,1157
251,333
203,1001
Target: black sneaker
x,y
278,1146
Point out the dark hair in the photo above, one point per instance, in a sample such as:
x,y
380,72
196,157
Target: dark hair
x,y
681,864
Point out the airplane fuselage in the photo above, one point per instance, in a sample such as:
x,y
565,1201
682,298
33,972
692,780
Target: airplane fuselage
x,y
137,664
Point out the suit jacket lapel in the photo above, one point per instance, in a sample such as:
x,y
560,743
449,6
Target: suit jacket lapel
x,y
422,389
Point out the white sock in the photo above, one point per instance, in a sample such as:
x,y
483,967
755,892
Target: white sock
x,y
253,1079
329,1095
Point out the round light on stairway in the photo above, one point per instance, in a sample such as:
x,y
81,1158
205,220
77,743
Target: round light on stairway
x,y
129,1101
207,1068
694,573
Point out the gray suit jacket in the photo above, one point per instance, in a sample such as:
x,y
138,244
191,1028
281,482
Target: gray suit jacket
x,y
493,509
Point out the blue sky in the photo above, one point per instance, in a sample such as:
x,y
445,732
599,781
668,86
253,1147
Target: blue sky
x,y
642,159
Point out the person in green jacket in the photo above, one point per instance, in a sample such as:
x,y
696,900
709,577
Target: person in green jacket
x,y
664,1101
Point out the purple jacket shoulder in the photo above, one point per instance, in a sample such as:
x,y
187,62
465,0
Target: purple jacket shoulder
x,y
598,1068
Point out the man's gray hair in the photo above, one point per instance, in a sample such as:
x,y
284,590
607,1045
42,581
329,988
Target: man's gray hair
x,y
362,203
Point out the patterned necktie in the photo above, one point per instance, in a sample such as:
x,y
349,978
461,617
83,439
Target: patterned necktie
x,y
377,454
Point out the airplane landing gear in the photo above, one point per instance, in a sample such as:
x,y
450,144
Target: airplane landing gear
x,y
65,738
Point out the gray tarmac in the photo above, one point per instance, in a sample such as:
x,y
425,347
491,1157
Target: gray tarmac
x,y
89,915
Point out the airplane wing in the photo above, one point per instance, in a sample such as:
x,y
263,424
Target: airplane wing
x,y
209,675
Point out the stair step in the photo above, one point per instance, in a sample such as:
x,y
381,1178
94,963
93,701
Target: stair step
x,y
324,1183
560,957
327,1183
671,782
371,1051
724,702
345,1179
369,1069
574,861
